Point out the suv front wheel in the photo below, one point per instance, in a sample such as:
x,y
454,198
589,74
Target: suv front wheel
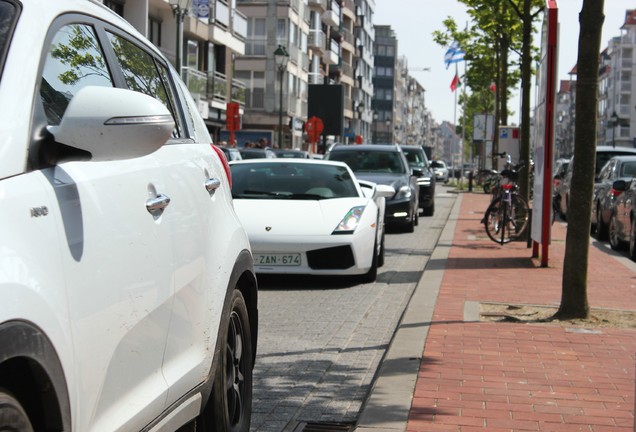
x,y
12,415
230,405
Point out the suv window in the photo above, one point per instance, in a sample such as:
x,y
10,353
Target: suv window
x,y
75,60
415,157
143,74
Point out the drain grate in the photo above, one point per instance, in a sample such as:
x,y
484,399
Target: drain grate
x,y
324,427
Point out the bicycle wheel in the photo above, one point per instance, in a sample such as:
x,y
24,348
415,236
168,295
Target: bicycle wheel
x,y
518,217
495,221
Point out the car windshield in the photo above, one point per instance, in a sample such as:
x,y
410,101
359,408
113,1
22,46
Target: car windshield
x,y
438,164
370,160
285,180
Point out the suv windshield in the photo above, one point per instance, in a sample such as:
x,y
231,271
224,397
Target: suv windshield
x,y
370,161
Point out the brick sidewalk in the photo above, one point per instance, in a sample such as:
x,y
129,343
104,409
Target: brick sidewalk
x,y
523,377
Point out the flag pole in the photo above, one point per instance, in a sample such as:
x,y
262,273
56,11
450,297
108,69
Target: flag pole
x,y
461,147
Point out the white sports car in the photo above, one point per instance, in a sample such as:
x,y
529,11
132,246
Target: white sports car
x,y
307,216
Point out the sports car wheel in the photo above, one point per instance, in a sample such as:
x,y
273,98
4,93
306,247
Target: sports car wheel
x,y
614,239
12,415
230,406
632,241
372,274
381,254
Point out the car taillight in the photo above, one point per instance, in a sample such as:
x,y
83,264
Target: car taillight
x,y
615,193
226,165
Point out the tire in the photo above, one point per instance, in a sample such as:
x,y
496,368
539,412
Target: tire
x,y
493,220
12,414
632,240
416,216
613,235
381,254
429,210
601,228
409,227
502,229
230,406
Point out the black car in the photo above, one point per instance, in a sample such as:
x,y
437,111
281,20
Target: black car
x,y
385,164
256,153
617,168
292,153
417,159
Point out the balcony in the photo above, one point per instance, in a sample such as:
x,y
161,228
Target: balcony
x,y
196,82
222,14
217,89
330,57
318,5
316,40
238,92
239,24
331,18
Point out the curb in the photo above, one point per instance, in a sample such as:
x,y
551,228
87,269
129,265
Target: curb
x,y
389,403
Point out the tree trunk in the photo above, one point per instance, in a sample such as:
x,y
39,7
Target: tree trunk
x,y
574,301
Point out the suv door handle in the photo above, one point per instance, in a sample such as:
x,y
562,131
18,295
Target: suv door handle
x,y
157,205
212,184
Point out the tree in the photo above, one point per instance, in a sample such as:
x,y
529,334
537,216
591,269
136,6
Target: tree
x,y
574,302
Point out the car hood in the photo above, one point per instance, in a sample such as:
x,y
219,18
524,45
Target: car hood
x,y
293,217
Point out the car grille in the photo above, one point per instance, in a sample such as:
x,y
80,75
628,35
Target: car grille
x,y
339,257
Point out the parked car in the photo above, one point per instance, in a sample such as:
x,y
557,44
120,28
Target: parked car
x,y
231,153
417,159
441,170
617,168
340,231
385,164
257,153
622,226
292,153
559,173
129,299
603,154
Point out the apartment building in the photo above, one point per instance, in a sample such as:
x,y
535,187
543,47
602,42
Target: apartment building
x,y
209,35
384,84
616,113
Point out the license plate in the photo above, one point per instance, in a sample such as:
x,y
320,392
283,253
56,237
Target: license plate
x,y
277,260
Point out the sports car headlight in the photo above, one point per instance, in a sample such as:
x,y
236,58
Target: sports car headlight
x,y
403,192
350,222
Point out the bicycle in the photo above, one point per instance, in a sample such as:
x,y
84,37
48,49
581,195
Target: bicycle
x,y
506,217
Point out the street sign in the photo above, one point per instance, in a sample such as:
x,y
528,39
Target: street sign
x,y
314,128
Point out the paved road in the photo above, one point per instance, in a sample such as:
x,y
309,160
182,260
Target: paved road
x,y
321,340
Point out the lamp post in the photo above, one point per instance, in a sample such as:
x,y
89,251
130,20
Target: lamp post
x,y
360,109
282,57
375,126
179,10
614,122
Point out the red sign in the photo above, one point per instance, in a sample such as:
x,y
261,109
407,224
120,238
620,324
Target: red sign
x,y
314,128
232,117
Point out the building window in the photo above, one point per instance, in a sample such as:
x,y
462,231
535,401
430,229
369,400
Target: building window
x,y
254,88
154,31
256,37
115,5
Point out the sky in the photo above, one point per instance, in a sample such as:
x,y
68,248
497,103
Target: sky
x,y
415,20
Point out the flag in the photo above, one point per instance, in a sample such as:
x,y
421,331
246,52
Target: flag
x,y
454,54
455,83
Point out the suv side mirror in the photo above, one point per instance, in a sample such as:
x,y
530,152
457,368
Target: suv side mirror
x,y
417,172
124,124
620,185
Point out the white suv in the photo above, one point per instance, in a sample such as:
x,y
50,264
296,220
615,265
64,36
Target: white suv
x,y
128,296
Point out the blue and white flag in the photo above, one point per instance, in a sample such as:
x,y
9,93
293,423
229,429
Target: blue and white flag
x,y
454,54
